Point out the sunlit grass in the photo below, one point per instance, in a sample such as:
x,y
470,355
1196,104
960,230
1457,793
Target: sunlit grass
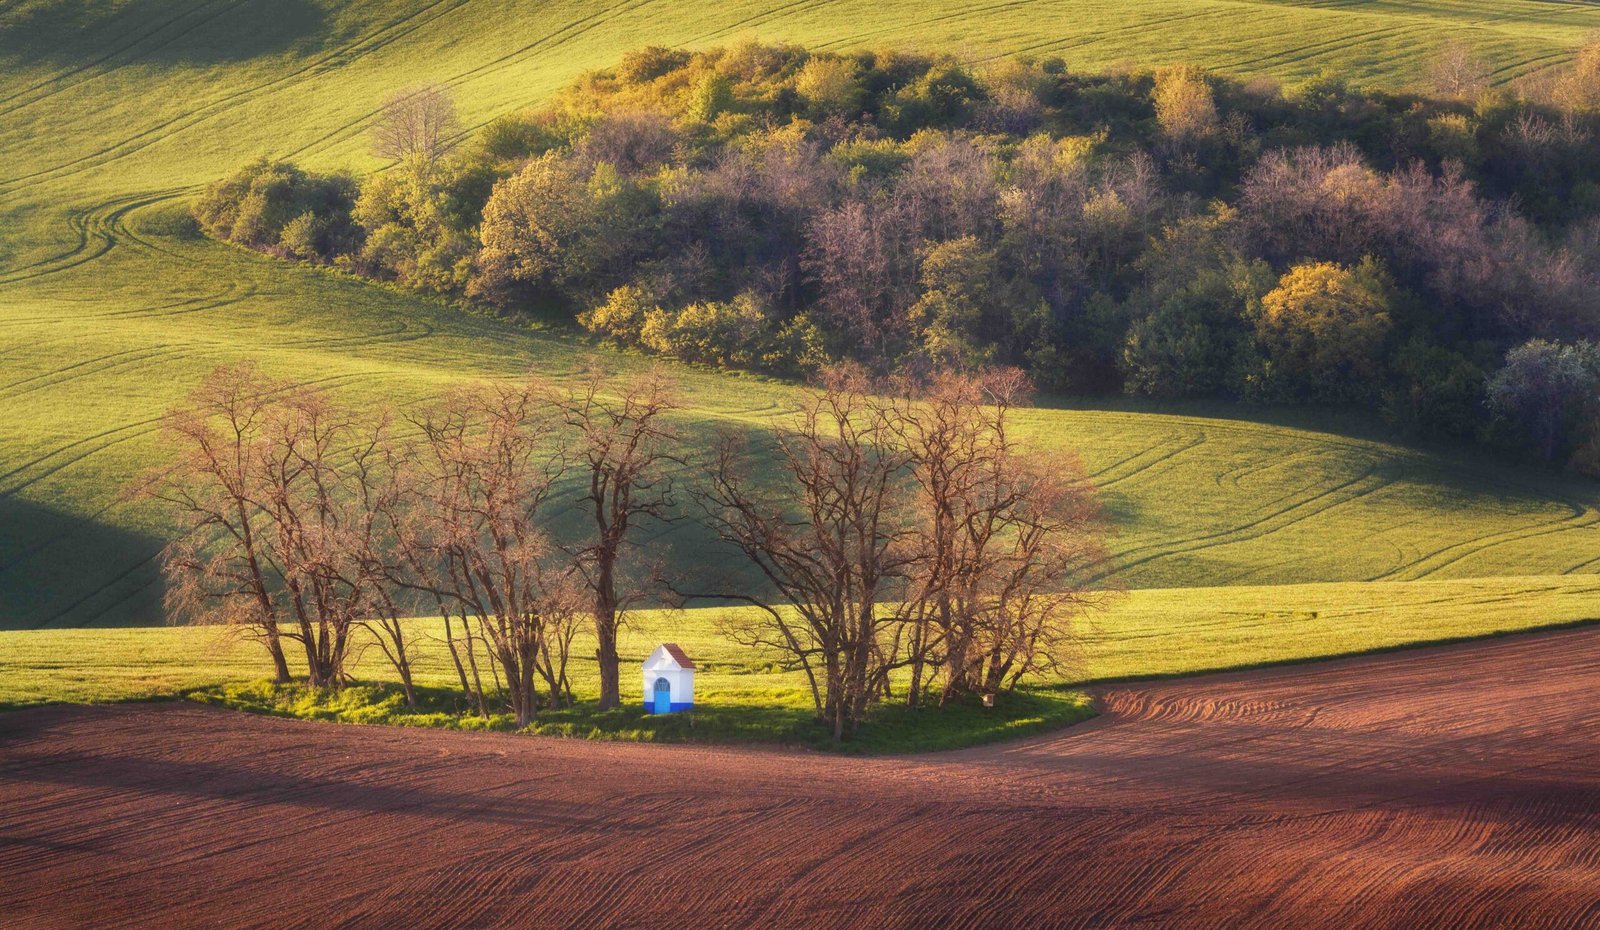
x,y
112,115
746,695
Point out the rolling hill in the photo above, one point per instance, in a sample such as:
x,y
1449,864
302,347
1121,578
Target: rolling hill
x,y
113,114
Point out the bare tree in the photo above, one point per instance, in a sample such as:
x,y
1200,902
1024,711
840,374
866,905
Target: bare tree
x,y
863,261
486,469
378,476
307,516
1001,537
828,541
1457,71
625,447
217,569
273,527
417,123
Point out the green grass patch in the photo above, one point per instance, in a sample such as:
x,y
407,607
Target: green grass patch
x,y
774,717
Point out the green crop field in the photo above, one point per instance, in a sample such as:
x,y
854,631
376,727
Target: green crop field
x,y
113,114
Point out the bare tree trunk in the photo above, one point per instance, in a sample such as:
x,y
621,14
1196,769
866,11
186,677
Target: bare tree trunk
x,y
477,679
605,631
455,657
280,665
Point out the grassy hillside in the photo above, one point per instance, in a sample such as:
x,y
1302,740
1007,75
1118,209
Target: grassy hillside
x,y
111,115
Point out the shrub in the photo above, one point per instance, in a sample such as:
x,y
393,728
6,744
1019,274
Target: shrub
x,y
646,64
514,137
302,236
798,349
254,205
732,333
620,320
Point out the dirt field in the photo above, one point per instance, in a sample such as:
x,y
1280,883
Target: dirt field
x,y
1456,787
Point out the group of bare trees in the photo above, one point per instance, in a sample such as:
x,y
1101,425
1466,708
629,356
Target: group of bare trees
x,y
906,529
897,526
306,523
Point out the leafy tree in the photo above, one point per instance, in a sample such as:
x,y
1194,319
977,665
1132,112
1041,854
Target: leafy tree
x,y
551,227
1548,394
1578,88
958,287
830,86
1436,391
710,96
1185,107
940,98
1196,341
1323,328
416,230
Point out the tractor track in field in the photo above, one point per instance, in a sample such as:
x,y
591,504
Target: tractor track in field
x,y
63,457
357,48
63,81
1304,505
98,229
1580,515
1448,787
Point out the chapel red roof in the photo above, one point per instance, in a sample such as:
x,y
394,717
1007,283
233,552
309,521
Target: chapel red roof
x,y
678,655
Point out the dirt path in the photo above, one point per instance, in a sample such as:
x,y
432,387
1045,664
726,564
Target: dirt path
x,y
1456,787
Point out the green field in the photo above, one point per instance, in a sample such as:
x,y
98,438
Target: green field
x,y
112,115
743,694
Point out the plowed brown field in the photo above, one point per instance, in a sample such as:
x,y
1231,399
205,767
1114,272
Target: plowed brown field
x,y
1455,787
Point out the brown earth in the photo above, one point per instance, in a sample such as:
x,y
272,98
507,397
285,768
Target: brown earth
x,y
1456,787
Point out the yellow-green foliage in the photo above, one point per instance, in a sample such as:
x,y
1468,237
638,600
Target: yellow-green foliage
x,y
1185,106
1324,324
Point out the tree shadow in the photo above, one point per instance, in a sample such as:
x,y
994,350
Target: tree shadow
x,y
682,551
60,569
90,33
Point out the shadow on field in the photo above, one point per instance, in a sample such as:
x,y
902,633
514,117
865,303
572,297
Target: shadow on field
x,y
163,32
62,570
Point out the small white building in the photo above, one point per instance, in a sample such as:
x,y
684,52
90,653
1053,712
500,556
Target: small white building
x,y
668,680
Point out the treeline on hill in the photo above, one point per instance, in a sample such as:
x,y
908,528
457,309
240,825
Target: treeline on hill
x,y
1166,234
909,549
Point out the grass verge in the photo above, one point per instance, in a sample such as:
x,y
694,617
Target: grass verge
x,y
891,729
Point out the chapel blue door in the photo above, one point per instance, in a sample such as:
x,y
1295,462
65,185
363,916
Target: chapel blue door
x,y
663,696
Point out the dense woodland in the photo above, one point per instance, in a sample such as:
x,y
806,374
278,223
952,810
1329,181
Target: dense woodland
x,y
1434,257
